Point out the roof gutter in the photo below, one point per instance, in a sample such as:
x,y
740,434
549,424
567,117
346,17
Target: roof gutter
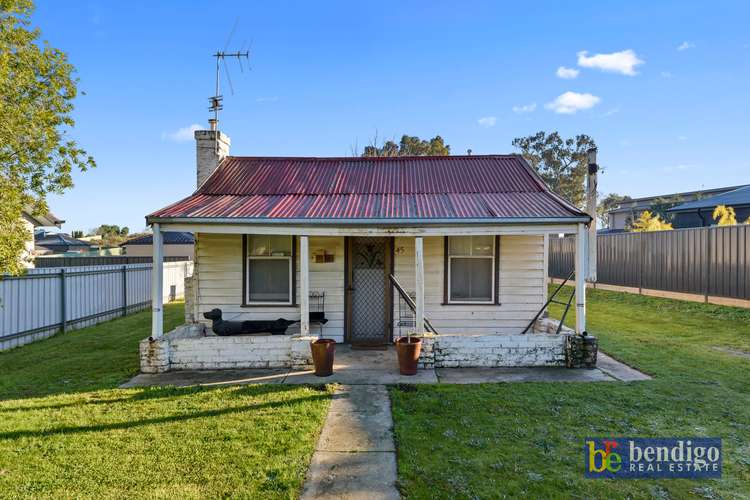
x,y
369,222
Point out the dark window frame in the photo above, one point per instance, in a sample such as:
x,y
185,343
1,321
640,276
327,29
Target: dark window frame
x,y
245,292
495,270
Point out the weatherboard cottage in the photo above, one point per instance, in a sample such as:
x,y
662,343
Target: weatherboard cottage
x,y
353,242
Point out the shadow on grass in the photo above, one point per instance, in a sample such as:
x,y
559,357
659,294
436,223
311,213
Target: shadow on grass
x,y
90,359
145,394
168,392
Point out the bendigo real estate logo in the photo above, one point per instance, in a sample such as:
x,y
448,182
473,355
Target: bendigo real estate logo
x,y
633,458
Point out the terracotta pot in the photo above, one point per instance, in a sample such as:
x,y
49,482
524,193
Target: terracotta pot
x,y
322,353
408,354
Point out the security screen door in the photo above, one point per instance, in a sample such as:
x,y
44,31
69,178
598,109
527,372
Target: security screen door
x,y
369,290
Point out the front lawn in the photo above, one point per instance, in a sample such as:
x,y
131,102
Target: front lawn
x,y
512,440
67,431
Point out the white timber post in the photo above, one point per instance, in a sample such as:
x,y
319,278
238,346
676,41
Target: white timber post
x,y
157,283
580,270
304,286
419,288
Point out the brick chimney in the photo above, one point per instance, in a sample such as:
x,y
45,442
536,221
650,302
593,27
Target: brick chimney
x,y
211,146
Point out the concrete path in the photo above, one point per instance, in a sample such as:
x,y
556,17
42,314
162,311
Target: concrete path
x,y
354,367
618,370
355,457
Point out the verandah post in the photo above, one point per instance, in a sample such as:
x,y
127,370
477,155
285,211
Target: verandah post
x,y
304,286
157,283
419,288
580,271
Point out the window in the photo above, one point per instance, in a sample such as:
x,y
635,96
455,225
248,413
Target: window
x,y
470,269
270,269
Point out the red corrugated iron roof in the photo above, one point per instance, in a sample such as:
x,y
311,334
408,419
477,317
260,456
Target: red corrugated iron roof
x,y
421,188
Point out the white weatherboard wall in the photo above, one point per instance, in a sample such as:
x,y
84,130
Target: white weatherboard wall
x,y
522,276
218,269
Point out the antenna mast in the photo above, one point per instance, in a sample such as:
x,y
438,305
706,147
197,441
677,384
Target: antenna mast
x,y
216,100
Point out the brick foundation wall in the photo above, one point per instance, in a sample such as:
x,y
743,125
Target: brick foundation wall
x,y
190,347
473,351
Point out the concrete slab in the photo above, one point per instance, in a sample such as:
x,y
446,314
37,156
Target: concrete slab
x,y
368,367
494,375
618,370
362,377
355,457
358,420
184,378
351,476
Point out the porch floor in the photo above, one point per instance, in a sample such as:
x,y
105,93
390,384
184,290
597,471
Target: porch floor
x,y
373,367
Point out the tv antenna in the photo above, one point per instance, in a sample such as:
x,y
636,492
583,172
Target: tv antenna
x,y
221,56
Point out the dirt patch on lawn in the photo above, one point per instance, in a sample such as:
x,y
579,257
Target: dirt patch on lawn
x,y
733,352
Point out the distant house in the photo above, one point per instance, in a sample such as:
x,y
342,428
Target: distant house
x,y
31,222
620,218
699,213
57,243
176,244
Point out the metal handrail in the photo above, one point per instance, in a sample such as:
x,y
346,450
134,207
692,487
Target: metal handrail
x,y
409,302
552,300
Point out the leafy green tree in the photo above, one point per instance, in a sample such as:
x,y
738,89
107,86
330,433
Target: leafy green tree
x,y
609,202
111,230
663,203
409,146
562,163
37,89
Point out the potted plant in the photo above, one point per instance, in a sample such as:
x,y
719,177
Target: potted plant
x,y
322,353
408,349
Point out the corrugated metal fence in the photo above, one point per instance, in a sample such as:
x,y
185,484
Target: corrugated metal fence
x,y
62,261
45,301
711,261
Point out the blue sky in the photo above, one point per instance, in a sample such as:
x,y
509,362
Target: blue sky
x,y
661,86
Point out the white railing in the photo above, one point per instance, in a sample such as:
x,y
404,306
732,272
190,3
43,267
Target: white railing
x,y
43,302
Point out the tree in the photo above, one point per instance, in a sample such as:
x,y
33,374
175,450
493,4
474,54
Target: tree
x,y
111,230
725,216
649,222
408,146
661,205
37,89
562,163
112,234
609,202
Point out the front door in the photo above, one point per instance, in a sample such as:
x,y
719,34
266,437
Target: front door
x,y
368,292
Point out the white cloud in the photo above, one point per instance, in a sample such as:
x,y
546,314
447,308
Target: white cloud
x,y
685,45
183,134
682,138
525,108
666,74
487,121
612,111
571,102
266,99
567,73
623,62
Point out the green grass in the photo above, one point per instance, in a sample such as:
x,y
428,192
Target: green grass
x,y
67,431
513,440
